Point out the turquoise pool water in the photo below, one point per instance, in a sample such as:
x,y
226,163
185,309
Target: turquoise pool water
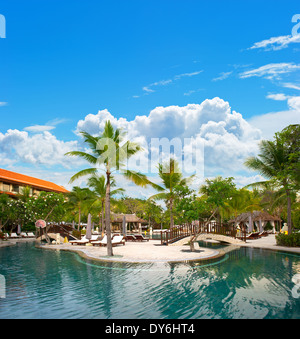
x,y
246,283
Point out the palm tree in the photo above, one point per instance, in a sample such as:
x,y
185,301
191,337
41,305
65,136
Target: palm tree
x,y
272,164
98,185
241,201
77,200
110,151
171,177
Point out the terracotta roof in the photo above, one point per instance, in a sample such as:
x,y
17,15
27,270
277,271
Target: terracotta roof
x,y
26,180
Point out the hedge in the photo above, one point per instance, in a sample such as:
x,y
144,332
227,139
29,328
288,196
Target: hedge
x,y
292,240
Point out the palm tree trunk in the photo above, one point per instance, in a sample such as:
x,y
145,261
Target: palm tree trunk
x,y
171,213
79,219
102,221
289,212
107,215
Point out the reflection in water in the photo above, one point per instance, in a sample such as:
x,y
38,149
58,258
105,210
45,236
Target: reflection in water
x,y
245,283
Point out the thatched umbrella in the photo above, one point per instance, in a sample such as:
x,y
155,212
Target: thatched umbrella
x,y
258,217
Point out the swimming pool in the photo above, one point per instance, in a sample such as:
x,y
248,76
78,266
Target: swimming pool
x,y
246,283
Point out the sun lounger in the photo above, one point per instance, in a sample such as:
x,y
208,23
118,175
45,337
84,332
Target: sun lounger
x,y
130,238
116,240
24,235
84,240
14,236
30,235
102,242
253,236
140,237
263,234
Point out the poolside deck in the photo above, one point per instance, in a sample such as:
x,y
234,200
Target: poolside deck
x,y
137,252
153,251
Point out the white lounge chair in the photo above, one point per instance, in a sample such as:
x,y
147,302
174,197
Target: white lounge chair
x,y
24,235
30,235
102,242
118,240
84,240
14,235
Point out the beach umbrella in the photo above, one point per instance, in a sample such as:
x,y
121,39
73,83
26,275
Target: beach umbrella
x,y
89,227
124,226
19,229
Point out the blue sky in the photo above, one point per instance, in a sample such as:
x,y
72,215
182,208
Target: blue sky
x,y
64,60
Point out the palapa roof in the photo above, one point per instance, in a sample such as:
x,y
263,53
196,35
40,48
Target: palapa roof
x,y
128,218
256,216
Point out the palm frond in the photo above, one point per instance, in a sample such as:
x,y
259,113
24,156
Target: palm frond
x,y
159,196
85,172
136,177
86,156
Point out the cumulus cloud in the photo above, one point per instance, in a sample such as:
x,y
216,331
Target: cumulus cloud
x,y
227,137
213,126
38,149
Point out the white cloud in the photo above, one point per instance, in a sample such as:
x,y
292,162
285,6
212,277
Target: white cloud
x,y
277,97
291,85
49,126
271,71
38,128
227,137
274,122
177,77
149,88
276,43
39,149
223,76
3,104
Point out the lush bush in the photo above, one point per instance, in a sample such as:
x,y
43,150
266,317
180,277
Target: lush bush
x,y
2,236
292,240
76,234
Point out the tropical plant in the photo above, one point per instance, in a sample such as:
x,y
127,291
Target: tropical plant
x,y
276,161
98,185
78,199
111,152
241,200
218,192
171,176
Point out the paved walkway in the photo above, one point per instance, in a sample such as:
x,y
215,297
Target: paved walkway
x,y
153,251
269,242
141,252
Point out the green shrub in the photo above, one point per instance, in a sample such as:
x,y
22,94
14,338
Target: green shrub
x,y
292,240
76,234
